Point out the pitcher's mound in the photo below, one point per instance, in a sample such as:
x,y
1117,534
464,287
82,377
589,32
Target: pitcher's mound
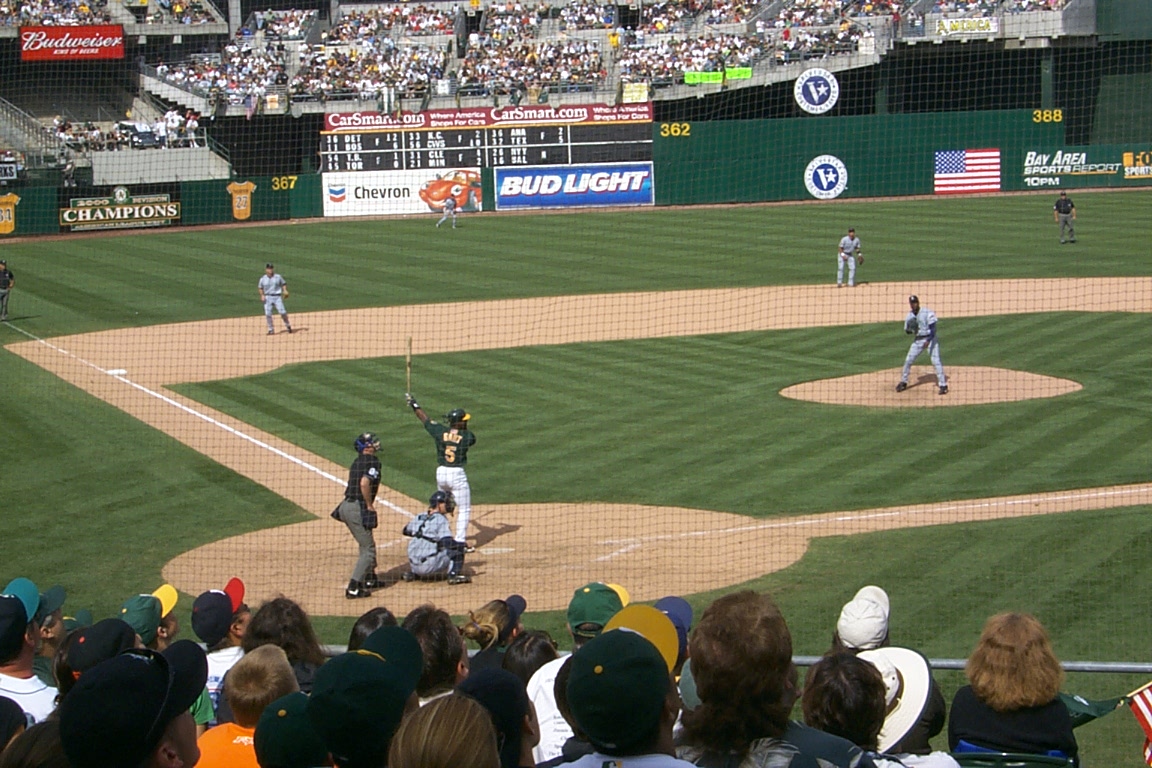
x,y
972,385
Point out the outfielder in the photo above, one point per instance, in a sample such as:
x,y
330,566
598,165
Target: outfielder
x,y
452,444
922,324
273,290
432,550
449,211
850,254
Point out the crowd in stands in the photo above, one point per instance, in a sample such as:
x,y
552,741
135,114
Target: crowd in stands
x,y
667,60
500,61
173,129
375,24
242,70
365,70
587,14
283,25
667,16
729,12
649,685
56,13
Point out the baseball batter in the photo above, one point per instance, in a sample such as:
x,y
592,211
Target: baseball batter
x,y
273,290
449,211
849,251
452,444
1064,212
921,323
433,551
7,283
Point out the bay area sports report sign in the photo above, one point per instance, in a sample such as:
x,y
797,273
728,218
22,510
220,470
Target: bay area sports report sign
x,y
487,137
105,41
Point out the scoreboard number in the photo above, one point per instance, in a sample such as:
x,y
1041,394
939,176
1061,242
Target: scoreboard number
x,y
678,130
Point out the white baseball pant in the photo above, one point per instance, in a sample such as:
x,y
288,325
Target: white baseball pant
x,y
454,479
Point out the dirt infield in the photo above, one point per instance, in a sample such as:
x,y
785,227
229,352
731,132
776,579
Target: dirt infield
x,y
130,369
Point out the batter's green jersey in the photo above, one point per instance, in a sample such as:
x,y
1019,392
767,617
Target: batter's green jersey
x,y
451,445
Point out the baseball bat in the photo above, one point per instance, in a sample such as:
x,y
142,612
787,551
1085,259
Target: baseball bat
x,y
408,367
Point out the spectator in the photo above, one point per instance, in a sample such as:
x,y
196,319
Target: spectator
x,y
256,680
1012,702
591,607
454,731
19,635
907,683
622,697
286,738
37,747
741,665
134,709
87,647
50,617
369,623
445,657
12,721
679,612
863,626
493,627
503,695
152,618
360,697
220,618
530,651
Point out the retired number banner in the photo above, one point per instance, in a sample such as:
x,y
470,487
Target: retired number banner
x,y
105,41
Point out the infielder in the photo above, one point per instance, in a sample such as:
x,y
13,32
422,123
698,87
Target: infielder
x,y
452,444
432,550
850,253
449,211
922,324
1064,213
273,290
7,283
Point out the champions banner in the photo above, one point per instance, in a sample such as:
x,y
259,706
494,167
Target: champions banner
x,y
105,41
574,186
489,117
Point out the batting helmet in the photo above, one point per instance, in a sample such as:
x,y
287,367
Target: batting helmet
x,y
457,415
366,440
443,497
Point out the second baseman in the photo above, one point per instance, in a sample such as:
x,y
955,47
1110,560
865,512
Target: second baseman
x,y
452,444
273,290
921,322
849,250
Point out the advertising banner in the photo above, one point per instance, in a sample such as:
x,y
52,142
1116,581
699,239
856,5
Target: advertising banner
x,y
122,209
703,78
1094,166
105,41
393,193
574,186
989,25
490,117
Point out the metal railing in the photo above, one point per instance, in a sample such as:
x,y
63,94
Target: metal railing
x,y
26,134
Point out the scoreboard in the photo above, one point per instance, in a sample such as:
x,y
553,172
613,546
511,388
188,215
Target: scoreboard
x,y
487,137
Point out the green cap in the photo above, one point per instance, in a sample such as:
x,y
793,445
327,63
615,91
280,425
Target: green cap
x,y
83,618
285,737
616,690
357,703
593,603
400,648
143,614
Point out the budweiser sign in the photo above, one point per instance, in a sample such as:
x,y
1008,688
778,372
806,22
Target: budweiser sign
x,y
488,117
71,43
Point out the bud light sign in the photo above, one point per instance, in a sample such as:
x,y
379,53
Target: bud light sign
x,y
574,186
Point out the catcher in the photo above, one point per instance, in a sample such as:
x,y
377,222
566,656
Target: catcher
x,y
850,254
433,553
921,323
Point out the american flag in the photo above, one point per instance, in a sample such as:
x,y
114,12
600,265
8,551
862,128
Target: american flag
x,y
961,171
1141,704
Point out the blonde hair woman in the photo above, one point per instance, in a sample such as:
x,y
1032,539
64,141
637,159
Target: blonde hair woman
x,y
493,627
1012,702
454,731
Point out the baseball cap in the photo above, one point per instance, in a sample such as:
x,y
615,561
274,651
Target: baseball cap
x,y
285,737
212,611
13,625
503,695
50,602
102,641
680,612
907,681
913,298
143,614
119,709
616,690
357,702
1062,194
688,693
168,597
12,718
28,593
400,648
516,606
651,624
593,603
83,618
269,266
863,622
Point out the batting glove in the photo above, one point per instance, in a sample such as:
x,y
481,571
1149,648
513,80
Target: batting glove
x,y
412,403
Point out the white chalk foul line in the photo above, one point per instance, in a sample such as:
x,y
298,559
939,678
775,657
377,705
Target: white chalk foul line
x,y
119,375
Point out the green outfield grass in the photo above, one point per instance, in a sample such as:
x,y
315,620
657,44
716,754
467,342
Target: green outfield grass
x,y
97,501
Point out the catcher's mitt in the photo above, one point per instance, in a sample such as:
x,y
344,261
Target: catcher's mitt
x,y
860,260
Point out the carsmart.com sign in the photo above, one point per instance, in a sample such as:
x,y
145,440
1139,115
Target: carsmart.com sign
x,y
574,186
